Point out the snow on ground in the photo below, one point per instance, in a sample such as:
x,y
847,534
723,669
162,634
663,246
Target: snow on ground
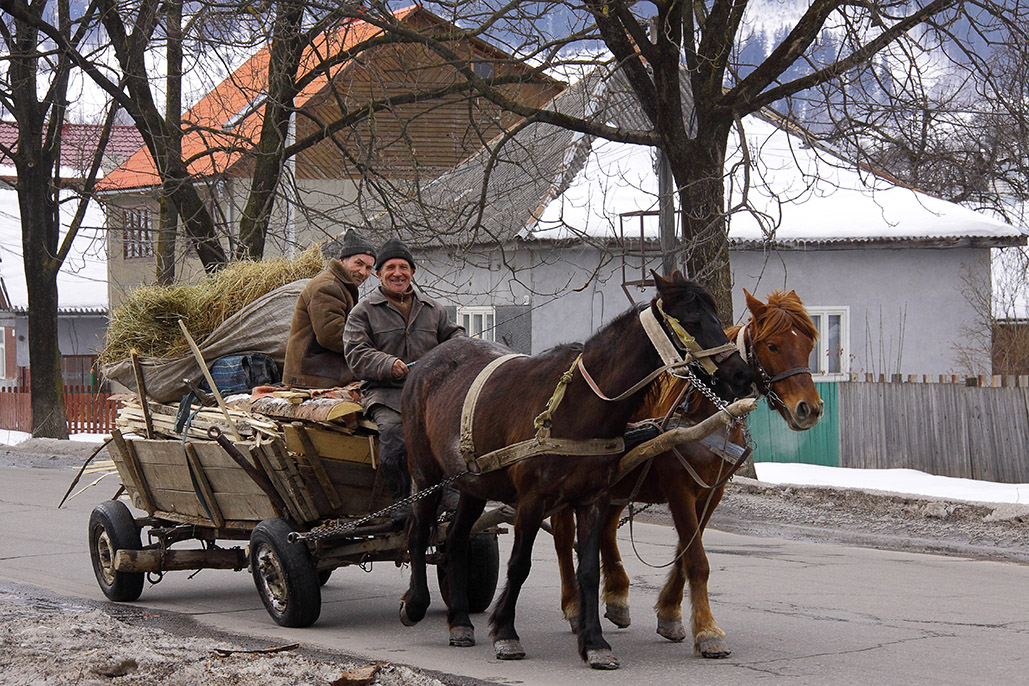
x,y
908,481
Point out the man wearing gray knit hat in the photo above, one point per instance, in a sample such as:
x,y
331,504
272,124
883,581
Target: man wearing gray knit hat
x,y
314,351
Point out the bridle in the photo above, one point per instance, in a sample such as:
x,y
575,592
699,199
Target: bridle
x,y
764,378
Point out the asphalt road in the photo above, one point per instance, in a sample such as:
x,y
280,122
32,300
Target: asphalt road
x,y
794,612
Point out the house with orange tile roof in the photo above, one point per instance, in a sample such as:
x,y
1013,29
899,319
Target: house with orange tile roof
x,y
337,180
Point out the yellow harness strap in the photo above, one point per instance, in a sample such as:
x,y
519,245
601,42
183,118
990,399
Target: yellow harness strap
x,y
542,421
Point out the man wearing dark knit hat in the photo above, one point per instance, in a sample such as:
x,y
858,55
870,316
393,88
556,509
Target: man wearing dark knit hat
x,y
314,351
390,328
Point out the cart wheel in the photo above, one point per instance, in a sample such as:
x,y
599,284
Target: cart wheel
x,y
323,576
483,571
284,574
111,528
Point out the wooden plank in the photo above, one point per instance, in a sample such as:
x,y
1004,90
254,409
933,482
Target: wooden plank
x,y
234,507
280,481
276,455
204,486
154,560
142,489
329,445
310,454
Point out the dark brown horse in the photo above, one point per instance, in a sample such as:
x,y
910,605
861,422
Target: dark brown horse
x,y
617,357
778,340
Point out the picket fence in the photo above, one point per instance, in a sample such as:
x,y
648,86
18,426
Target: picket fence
x,y
88,412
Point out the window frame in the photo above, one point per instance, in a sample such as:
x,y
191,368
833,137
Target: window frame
x,y
820,316
137,233
486,311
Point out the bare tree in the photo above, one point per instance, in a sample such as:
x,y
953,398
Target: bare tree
x,y
34,77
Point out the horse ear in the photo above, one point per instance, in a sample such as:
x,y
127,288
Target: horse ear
x,y
661,282
755,306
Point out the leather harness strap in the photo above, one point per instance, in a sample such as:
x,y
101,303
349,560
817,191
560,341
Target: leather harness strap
x,y
540,445
471,399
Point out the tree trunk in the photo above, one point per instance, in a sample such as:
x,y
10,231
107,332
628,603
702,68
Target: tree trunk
x,y
699,171
169,221
284,60
38,211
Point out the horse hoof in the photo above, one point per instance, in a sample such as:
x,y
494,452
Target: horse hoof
x,y
618,615
508,649
714,648
602,659
462,636
404,619
673,630
573,622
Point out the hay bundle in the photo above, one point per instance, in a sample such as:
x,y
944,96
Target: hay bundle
x,y
147,321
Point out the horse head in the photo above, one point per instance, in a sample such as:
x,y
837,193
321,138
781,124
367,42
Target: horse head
x,y
686,307
779,340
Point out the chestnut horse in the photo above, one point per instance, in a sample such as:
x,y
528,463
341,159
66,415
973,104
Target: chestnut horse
x,y
778,340
618,357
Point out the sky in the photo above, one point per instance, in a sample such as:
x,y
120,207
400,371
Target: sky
x,y
82,281
907,481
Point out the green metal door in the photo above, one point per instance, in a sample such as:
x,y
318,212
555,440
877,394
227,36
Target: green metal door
x,y
777,442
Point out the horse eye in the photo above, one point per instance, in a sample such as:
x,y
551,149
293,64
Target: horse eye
x,y
772,347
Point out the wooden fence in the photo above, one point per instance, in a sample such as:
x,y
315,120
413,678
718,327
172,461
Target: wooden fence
x,y
88,412
976,429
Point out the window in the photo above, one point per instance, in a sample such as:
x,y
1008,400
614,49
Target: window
x,y
478,322
3,352
484,70
830,360
138,241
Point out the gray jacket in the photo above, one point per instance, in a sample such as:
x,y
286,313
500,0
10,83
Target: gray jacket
x,y
376,335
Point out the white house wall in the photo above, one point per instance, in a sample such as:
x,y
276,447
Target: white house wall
x,y
907,308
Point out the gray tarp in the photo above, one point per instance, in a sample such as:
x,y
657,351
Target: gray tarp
x,y
262,326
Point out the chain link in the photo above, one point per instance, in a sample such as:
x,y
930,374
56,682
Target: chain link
x,y
336,526
707,392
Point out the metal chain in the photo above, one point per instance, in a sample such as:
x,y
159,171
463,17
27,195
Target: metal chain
x,y
336,526
707,392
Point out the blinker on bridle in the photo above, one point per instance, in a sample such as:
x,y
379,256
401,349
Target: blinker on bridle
x,y
707,358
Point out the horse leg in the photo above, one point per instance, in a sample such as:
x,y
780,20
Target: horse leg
x,y
593,648
462,634
692,566
708,638
528,518
563,525
415,601
616,581
681,504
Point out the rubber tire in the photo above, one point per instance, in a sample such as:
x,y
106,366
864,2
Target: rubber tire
x,y
483,573
301,600
323,576
113,518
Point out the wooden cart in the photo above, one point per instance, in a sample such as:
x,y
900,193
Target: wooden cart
x,y
299,477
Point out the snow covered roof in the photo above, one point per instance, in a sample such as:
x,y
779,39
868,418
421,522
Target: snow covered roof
x,y
82,281
797,195
550,184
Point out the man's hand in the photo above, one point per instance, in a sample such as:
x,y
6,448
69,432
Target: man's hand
x,y
399,369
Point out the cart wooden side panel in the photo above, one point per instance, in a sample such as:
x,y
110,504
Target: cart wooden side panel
x,y
163,467
347,462
156,473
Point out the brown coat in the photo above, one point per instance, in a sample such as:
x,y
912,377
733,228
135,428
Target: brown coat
x,y
314,352
376,336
